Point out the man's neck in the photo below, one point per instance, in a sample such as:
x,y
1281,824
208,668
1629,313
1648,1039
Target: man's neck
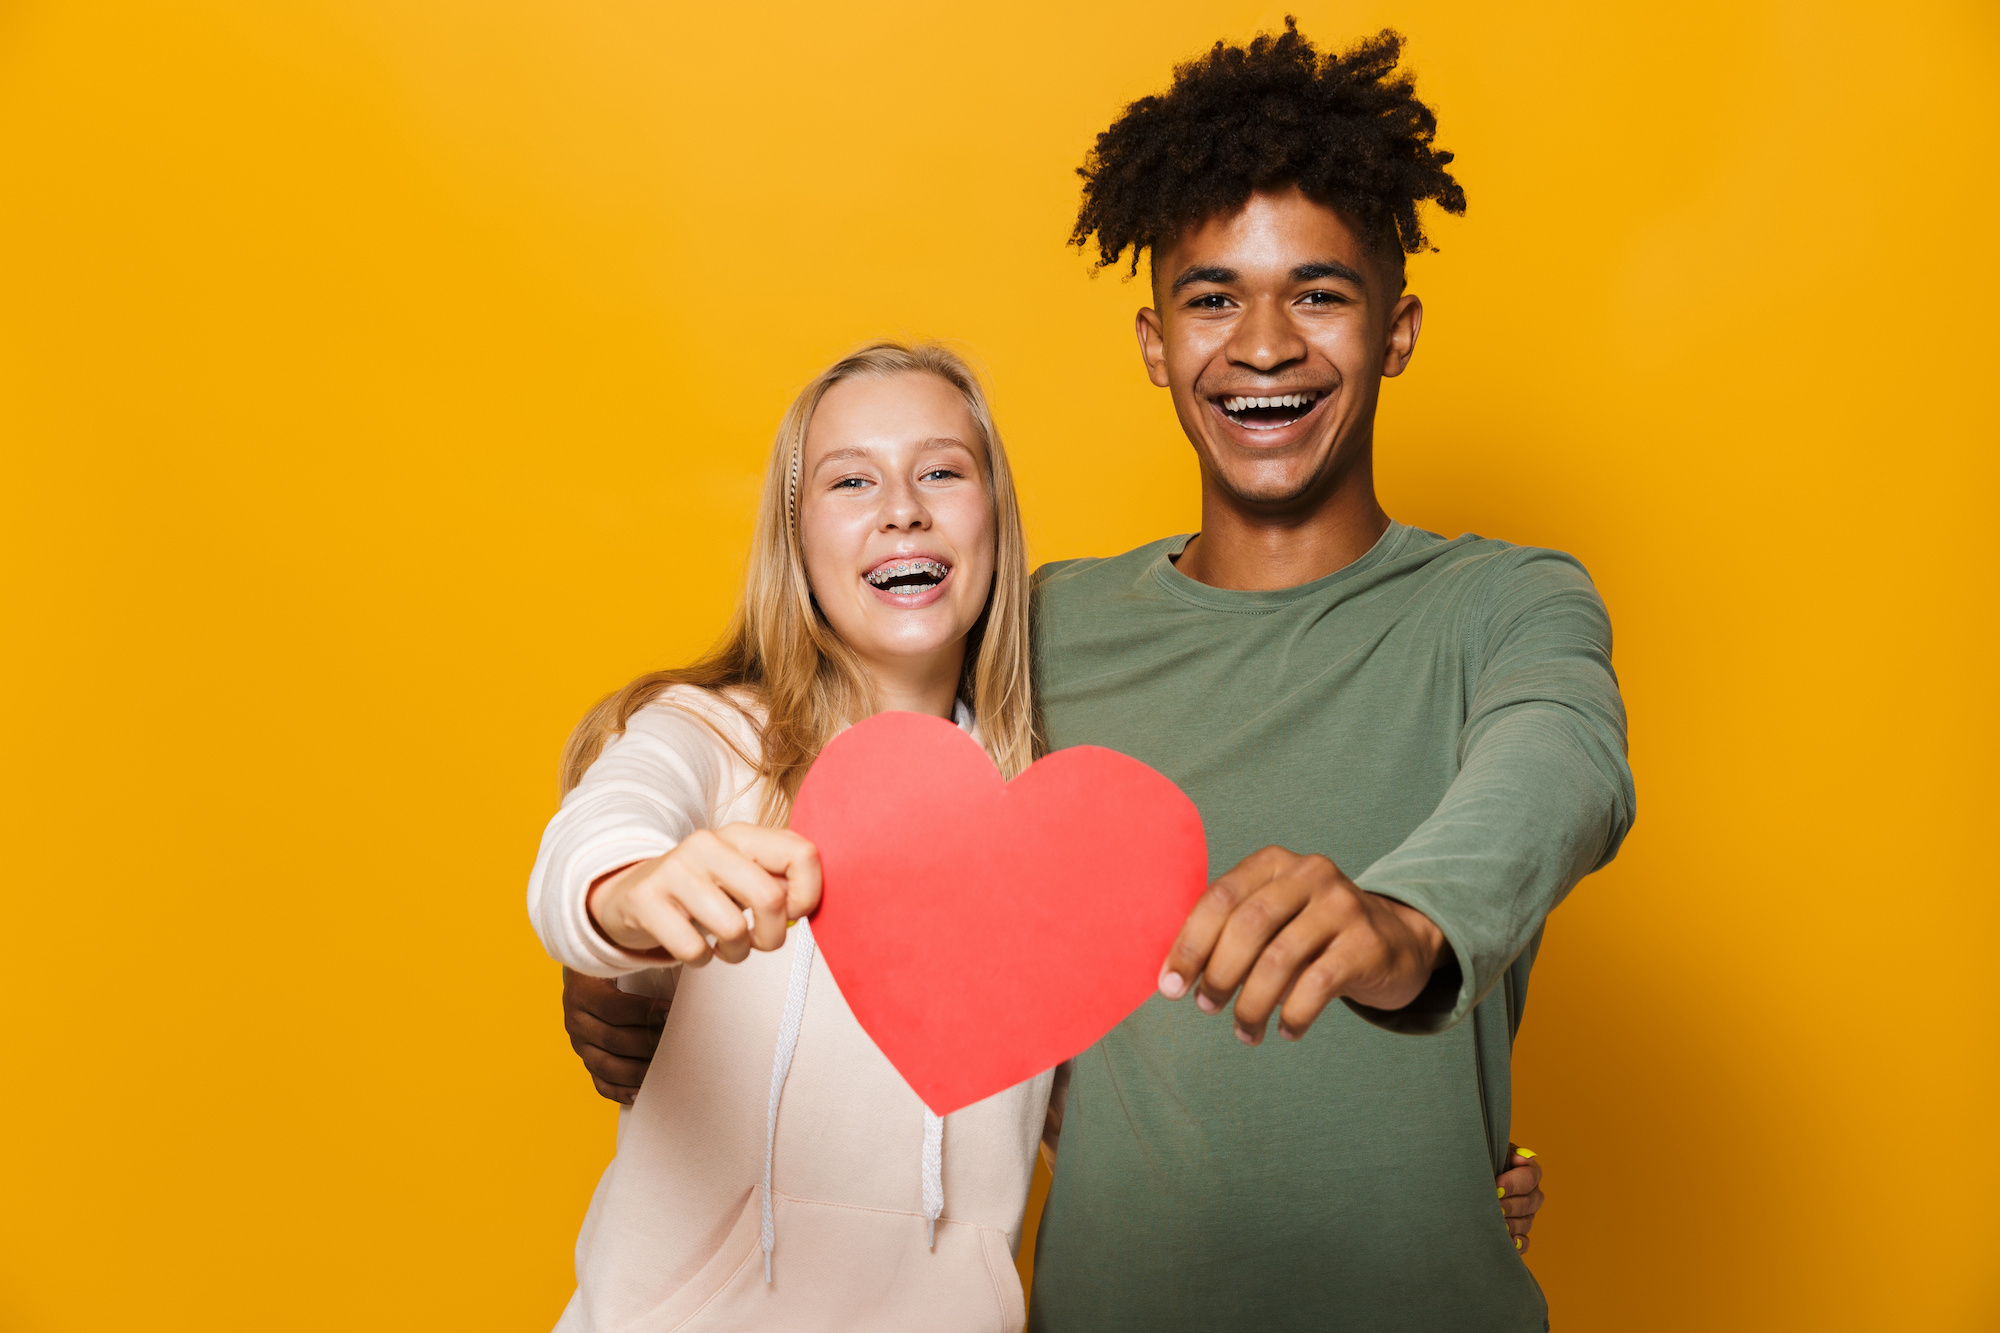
x,y
1248,549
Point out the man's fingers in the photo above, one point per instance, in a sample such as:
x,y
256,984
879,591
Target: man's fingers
x,y
600,997
1275,972
635,1043
1319,983
1189,957
1250,930
616,1070
613,1093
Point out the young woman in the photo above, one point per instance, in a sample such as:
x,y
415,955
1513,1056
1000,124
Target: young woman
x,y
784,1175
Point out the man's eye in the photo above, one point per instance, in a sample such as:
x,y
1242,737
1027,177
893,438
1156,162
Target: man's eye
x,y
1324,298
1212,301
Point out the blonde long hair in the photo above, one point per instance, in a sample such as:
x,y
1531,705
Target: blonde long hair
x,y
781,654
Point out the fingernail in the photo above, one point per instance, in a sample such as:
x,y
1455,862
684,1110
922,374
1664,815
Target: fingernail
x,y
1243,1035
1206,1005
1172,985
1517,1242
1287,1033
1502,1191
1524,1152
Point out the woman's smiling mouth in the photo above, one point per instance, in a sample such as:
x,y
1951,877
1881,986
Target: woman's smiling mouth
x,y
906,579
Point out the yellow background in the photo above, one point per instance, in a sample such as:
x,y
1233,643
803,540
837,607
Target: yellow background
x,y
382,382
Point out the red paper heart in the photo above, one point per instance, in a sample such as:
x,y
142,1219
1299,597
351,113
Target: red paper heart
x,y
983,931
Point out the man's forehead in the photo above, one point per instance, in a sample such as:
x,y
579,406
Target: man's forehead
x,y
1279,234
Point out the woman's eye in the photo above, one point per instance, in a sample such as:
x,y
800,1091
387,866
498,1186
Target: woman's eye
x,y
938,474
850,483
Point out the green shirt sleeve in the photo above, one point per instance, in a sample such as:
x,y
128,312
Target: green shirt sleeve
x,y
1543,794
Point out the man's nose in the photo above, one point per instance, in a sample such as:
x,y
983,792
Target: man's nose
x,y
1264,338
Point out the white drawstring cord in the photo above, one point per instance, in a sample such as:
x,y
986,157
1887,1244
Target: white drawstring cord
x,y
803,949
933,1171
781,1065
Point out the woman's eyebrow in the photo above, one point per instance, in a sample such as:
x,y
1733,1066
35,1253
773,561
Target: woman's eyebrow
x,y
853,451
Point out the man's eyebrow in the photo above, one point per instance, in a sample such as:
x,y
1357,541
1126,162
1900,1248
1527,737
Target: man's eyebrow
x,y
1326,268
1219,276
1316,271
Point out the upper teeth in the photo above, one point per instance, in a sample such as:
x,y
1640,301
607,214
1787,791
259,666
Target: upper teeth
x,y
1282,400
898,569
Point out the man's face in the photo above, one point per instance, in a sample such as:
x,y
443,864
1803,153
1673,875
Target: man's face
x,y
1273,327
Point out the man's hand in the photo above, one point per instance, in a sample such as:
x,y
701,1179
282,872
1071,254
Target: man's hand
x,y
615,1033
1294,930
1520,1193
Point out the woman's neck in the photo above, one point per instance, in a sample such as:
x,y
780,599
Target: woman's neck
x,y
928,686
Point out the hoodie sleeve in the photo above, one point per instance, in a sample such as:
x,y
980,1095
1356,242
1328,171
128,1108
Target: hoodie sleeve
x,y
1543,794
653,785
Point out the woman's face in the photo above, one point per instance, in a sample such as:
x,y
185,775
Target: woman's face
x,y
896,521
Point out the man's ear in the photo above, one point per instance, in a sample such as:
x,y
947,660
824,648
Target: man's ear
x,y
1152,345
1406,320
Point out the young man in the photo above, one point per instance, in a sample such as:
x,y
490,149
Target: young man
x,y
1408,749
1405,749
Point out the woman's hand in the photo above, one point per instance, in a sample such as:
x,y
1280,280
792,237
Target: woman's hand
x,y
1520,1193
675,904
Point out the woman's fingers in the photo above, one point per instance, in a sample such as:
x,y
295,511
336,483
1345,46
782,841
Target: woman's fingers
x,y
790,857
658,915
703,887
1520,1191
692,901
740,863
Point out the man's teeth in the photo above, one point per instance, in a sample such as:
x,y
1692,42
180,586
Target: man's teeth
x,y
1282,400
915,575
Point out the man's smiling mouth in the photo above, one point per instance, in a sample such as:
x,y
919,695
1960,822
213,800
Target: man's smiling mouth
x,y
1267,412
907,578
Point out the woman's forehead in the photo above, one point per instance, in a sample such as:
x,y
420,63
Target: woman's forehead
x,y
905,412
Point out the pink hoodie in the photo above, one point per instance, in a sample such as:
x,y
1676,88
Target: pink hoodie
x,y
676,1236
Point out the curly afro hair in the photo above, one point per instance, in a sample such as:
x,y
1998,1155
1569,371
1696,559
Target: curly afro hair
x,y
1347,129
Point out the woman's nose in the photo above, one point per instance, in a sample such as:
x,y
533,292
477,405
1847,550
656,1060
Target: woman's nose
x,y
903,507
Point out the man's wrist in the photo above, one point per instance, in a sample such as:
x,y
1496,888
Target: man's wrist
x,y
1432,947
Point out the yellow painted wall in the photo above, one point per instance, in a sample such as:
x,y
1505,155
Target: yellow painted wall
x,y
382,382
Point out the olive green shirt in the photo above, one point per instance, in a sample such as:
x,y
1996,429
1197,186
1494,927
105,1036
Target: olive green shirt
x,y
1441,719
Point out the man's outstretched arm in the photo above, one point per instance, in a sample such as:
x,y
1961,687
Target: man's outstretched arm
x,y
1543,796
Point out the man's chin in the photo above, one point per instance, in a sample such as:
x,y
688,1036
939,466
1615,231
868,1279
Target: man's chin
x,y
1266,488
